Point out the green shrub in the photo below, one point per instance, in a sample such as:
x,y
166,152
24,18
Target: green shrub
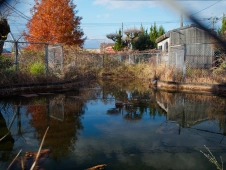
x,y
37,68
5,62
220,70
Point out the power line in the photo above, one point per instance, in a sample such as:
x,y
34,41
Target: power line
x,y
133,23
206,7
16,11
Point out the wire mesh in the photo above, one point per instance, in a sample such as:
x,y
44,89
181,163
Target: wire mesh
x,y
25,63
196,63
55,58
189,63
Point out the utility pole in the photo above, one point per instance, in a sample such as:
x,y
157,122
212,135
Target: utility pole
x,y
181,19
213,20
122,29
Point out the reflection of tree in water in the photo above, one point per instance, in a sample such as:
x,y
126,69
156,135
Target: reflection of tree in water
x,y
132,115
120,89
137,97
114,111
6,145
62,134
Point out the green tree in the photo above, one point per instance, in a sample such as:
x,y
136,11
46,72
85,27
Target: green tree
x,y
222,30
119,43
132,35
154,34
143,42
112,36
117,38
161,31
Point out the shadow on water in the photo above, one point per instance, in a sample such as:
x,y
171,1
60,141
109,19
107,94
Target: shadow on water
x,y
123,124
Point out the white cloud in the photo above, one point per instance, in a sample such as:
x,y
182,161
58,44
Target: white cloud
x,y
111,4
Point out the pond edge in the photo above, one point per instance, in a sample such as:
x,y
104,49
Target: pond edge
x,y
216,89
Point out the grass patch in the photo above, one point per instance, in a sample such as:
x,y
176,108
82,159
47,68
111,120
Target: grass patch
x,y
37,68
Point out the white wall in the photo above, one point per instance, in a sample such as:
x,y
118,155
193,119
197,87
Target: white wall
x,y
163,44
165,55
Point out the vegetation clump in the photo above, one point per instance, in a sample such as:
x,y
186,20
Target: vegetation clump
x,y
37,68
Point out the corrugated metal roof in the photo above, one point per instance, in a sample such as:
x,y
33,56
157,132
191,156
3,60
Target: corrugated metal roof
x,y
167,35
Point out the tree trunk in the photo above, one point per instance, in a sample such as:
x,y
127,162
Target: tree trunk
x,y
4,30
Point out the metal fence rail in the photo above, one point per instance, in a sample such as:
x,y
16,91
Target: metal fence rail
x,y
22,55
190,63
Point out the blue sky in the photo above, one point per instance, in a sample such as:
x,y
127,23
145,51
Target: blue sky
x,y
101,17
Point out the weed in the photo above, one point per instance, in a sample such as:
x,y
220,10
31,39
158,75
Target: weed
x,y
37,68
212,158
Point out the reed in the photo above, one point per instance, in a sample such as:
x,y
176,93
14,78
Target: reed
x,y
212,159
4,136
37,156
14,159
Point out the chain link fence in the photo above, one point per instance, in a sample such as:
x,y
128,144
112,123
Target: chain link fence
x,y
195,63
190,63
31,59
86,59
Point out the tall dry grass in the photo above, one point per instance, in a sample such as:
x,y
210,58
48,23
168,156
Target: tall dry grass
x,y
83,64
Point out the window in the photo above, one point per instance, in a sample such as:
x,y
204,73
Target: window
x,y
166,45
160,47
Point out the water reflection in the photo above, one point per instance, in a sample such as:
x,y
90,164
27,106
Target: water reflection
x,y
123,124
189,110
6,144
63,115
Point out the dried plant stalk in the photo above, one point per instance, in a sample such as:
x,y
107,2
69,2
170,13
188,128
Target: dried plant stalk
x,y
4,136
14,159
212,159
36,158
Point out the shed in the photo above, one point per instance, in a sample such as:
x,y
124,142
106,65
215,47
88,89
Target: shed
x,y
190,44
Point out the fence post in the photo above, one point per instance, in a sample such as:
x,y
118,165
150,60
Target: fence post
x,y
184,65
157,59
62,58
129,58
103,60
47,60
16,54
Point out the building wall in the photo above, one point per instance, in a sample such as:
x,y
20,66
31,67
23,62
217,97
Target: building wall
x,y
164,47
196,43
188,35
164,44
195,39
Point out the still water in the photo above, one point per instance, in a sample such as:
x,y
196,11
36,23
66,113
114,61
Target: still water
x,y
153,130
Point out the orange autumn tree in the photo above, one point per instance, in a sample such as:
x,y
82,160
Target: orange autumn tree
x,y
55,22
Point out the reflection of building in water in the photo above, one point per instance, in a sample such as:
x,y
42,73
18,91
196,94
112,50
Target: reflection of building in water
x,y
186,109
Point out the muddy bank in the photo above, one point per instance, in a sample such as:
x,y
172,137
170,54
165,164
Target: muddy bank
x,y
218,89
52,87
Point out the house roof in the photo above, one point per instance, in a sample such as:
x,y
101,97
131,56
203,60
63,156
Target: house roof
x,y
167,35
